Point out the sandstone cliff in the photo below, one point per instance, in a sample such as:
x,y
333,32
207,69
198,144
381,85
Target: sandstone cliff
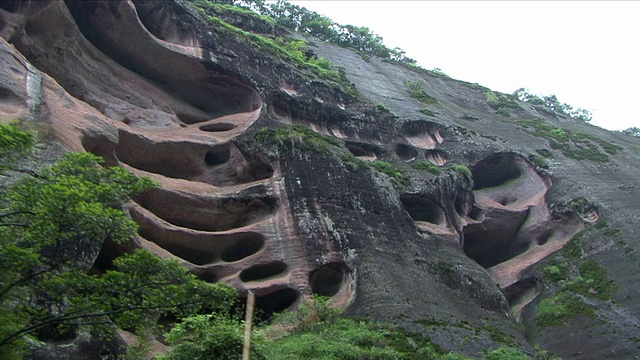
x,y
283,181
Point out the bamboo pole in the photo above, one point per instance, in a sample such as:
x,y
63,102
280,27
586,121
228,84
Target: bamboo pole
x,y
248,326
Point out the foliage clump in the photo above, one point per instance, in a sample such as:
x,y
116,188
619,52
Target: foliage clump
x,y
397,177
573,144
53,223
297,136
418,92
501,103
552,104
426,166
462,169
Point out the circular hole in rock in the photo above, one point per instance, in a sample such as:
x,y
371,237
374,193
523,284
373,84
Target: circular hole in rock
x,y
327,279
436,157
217,127
218,155
277,301
279,110
475,213
496,170
357,150
263,271
406,152
422,209
245,246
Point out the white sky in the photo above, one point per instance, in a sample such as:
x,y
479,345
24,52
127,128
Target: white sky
x,y
586,53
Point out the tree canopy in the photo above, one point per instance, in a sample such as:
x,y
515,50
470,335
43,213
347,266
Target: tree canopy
x,y
53,223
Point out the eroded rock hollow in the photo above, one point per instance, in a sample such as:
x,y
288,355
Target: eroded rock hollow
x,y
156,88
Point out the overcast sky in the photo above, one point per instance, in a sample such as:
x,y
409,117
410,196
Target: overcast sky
x,y
586,53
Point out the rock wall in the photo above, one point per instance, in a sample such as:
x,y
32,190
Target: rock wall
x,y
154,87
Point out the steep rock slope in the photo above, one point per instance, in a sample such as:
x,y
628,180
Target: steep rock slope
x,y
253,195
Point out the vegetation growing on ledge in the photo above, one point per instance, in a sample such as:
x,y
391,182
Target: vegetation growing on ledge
x,y
287,50
397,177
462,169
501,102
576,279
418,92
573,144
427,112
296,136
426,166
552,104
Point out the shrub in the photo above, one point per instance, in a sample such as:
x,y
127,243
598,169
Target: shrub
x,y
387,168
384,108
418,93
427,112
426,166
462,169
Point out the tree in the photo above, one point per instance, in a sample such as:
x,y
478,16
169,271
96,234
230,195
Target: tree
x,y
53,223
633,131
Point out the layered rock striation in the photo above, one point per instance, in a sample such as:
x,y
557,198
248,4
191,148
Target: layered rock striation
x,y
454,253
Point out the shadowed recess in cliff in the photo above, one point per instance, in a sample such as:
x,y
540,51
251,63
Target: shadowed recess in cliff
x,y
327,279
436,157
178,69
197,247
219,165
406,152
264,271
206,213
422,134
276,301
364,151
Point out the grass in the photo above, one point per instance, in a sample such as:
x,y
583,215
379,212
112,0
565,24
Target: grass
x,y
427,111
501,102
426,166
462,169
538,161
575,279
383,108
397,177
572,144
418,93
286,50
296,136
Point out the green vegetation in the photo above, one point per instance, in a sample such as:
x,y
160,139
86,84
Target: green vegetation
x,y
538,161
575,281
297,136
397,177
384,108
426,166
308,22
427,111
287,50
545,153
418,92
53,222
550,103
632,131
573,144
315,331
462,169
573,249
501,102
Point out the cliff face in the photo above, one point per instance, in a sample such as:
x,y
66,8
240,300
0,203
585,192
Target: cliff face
x,y
166,92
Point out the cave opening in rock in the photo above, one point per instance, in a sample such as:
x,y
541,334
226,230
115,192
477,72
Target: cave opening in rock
x,y
436,157
496,170
406,152
422,134
491,246
423,209
217,127
244,246
217,155
280,111
263,271
327,279
276,301
204,213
